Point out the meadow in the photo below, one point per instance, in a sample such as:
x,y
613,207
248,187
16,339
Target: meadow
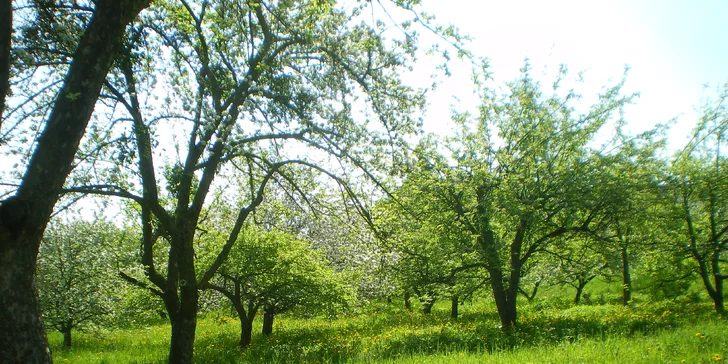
x,y
550,330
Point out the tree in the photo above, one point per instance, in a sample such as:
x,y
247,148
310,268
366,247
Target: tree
x,y
274,271
701,196
23,216
636,212
432,256
533,184
578,264
76,276
284,96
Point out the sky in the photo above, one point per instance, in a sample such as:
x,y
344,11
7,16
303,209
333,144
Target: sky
x,y
673,48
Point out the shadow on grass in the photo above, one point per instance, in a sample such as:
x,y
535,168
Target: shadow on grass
x,y
398,333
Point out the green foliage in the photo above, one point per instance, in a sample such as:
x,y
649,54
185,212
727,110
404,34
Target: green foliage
x,y
522,176
77,282
699,187
276,270
645,333
430,254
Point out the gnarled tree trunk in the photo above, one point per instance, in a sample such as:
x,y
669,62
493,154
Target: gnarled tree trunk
x,y
23,217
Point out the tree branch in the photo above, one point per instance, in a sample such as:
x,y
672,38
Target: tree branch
x,y
140,284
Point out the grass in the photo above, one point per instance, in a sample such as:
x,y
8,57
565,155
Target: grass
x,y
666,332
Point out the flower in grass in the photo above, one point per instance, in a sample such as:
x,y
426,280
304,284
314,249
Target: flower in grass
x,y
717,357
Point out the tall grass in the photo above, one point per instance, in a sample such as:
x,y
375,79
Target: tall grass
x,y
648,332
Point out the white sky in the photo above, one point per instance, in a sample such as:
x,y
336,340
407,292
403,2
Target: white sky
x,y
673,47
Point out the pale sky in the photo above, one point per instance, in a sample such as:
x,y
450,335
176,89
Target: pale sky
x,y
673,47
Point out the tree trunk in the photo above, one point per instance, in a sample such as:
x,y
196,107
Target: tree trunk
x,y
506,308
454,307
6,34
246,318
246,331
719,304
407,302
22,335
66,336
184,318
427,302
505,296
183,339
626,277
715,292
579,291
718,277
23,218
268,316
427,307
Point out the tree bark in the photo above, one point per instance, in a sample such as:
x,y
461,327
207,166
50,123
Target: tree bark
x,y
718,278
66,337
182,308
626,277
454,307
505,296
268,316
23,217
714,291
6,34
407,302
246,331
183,339
579,291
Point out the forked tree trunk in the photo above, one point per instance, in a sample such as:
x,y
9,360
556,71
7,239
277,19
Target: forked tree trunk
x,y
581,284
505,304
246,318
23,218
505,296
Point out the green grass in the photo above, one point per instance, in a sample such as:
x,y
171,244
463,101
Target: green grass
x,y
658,332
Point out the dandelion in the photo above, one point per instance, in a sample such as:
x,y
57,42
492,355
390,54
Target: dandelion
x,y
717,357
